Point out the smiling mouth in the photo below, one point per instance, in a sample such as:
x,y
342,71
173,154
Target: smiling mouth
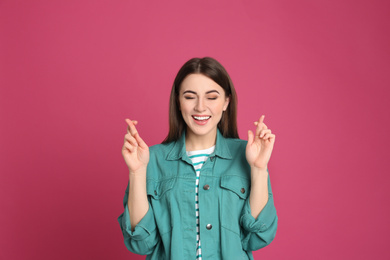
x,y
201,118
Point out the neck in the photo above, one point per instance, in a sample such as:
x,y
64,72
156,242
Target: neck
x,y
200,142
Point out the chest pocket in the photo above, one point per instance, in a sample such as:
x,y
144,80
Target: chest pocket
x,y
157,189
236,184
235,191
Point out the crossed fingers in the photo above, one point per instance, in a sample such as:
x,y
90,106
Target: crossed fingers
x,y
132,134
131,126
262,130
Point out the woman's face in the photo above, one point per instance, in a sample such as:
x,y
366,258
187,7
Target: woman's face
x,y
202,102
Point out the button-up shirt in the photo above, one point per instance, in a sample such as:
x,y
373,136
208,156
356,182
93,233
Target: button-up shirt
x,y
227,228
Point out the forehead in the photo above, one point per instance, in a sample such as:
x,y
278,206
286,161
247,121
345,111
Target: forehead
x,y
199,83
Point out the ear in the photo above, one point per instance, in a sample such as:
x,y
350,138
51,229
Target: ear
x,y
227,100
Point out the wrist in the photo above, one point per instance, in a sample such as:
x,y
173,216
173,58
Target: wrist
x,y
258,175
140,171
259,169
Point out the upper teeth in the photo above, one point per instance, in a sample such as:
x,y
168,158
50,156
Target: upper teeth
x,y
201,117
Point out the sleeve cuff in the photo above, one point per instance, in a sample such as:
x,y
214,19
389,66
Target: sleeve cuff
x,y
263,221
142,230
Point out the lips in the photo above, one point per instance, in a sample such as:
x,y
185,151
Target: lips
x,y
201,120
201,117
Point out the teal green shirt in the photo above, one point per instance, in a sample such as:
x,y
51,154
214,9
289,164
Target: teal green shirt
x,y
227,228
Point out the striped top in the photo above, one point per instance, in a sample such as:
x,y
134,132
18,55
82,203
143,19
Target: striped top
x,y
198,158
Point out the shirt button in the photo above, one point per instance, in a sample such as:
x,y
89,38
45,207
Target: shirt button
x,y
206,187
242,190
209,226
212,158
155,193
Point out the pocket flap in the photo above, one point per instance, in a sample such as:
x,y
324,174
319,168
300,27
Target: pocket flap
x,y
236,184
156,189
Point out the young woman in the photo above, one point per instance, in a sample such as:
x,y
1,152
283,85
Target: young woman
x,y
203,193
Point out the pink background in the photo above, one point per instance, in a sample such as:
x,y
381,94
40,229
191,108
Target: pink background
x,y
72,71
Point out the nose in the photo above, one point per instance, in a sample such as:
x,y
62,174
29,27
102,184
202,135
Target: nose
x,y
200,106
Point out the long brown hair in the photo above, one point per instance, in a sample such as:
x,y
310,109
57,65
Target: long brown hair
x,y
212,69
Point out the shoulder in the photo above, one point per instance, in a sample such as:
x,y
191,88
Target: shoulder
x,y
160,150
236,155
236,145
236,141
233,148
161,147
158,160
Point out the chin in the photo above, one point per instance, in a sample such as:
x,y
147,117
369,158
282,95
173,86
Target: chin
x,y
201,132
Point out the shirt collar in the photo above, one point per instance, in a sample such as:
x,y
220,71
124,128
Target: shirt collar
x,y
179,148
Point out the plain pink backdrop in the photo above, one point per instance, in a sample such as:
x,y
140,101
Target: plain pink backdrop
x,y
72,71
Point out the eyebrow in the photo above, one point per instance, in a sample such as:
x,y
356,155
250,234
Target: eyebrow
x,y
193,92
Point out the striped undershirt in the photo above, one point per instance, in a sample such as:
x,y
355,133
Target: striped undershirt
x,y
198,158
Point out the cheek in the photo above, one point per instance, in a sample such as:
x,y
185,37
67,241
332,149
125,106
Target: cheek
x,y
184,107
218,108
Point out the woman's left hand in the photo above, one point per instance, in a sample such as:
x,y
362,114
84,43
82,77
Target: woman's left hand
x,y
259,147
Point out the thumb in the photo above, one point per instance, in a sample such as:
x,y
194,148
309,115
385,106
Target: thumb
x,y
250,137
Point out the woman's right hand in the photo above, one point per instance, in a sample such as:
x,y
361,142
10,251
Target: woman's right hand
x,y
134,150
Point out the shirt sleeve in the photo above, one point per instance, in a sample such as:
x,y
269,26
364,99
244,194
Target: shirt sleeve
x,y
144,237
257,233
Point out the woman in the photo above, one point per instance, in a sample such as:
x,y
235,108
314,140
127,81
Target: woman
x,y
203,193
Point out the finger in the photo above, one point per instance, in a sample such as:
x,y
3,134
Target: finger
x,y
269,137
264,131
257,122
128,125
135,122
129,138
129,147
266,136
261,119
131,128
250,137
260,125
